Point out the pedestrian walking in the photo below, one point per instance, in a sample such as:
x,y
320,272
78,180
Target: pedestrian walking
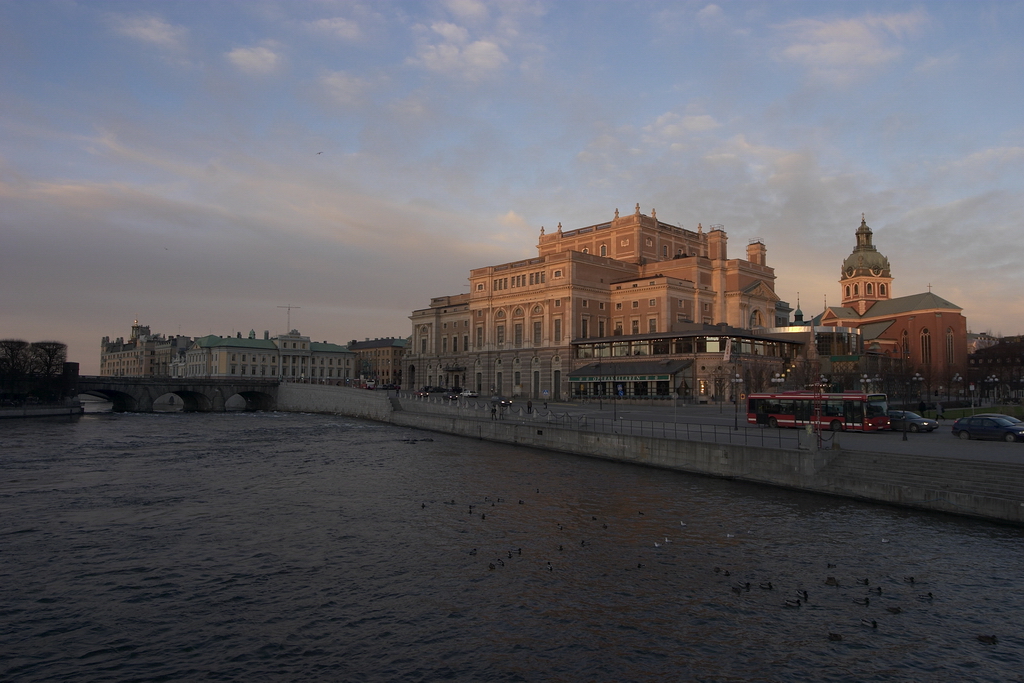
x,y
494,412
529,407
938,412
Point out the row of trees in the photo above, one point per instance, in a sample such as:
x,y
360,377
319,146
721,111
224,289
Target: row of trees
x,y
35,369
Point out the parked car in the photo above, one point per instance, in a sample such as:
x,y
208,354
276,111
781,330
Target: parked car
x,y
469,393
1005,417
914,422
979,427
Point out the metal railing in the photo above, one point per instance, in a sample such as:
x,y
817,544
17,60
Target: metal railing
x,y
478,409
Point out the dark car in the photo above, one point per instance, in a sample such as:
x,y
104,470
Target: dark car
x,y
978,427
1005,417
914,422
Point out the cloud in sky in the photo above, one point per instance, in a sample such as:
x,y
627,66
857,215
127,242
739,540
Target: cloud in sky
x,y
255,60
410,142
150,29
846,49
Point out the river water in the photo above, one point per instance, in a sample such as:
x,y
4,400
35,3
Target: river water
x,y
273,546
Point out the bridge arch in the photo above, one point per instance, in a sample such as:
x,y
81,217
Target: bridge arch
x,y
122,402
254,400
191,401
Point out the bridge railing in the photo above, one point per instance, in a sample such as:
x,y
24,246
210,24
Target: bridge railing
x,y
479,409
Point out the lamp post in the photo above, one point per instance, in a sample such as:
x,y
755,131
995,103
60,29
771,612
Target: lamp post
x,y
915,380
953,380
993,386
778,380
736,382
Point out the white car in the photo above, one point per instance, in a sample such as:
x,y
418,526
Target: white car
x,y
469,393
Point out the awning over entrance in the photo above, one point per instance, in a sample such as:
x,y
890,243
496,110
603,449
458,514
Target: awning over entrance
x,y
629,371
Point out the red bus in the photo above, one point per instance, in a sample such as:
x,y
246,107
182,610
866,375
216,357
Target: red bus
x,y
850,411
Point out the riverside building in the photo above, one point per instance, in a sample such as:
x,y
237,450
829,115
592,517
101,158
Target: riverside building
x,y
921,333
632,307
291,357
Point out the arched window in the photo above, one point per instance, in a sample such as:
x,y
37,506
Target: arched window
x,y
949,346
756,320
869,289
604,250
856,290
881,290
664,251
847,291
586,251
926,347
906,344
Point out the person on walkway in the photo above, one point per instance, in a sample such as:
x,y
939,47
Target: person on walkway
x,y
938,412
494,412
529,407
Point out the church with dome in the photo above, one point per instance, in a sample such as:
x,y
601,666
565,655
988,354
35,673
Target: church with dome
x,y
926,331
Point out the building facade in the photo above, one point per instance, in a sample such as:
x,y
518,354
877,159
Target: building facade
x,y
144,354
291,357
925,333
379,360
526,326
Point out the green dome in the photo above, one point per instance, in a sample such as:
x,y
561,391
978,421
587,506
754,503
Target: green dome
x,y
865,259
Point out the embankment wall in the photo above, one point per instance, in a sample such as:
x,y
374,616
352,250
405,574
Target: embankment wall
x,y
992,490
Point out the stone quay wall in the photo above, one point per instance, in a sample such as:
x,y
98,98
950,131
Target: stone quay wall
x,y
319,398
990,490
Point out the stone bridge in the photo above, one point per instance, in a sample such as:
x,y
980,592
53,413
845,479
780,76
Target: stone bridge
x,y
137,394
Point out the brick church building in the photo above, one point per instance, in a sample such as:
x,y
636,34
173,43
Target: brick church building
x,y
926,331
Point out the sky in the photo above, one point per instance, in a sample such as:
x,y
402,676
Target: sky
x,y
199,165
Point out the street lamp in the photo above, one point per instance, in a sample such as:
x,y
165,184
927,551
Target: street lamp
x,y
916,380
778,380
736,382
993,384
867,382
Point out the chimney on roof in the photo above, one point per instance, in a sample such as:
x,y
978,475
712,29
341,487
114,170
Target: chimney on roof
x,y
266,334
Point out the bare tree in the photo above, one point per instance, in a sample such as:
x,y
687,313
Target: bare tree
x,y
15,363
48,358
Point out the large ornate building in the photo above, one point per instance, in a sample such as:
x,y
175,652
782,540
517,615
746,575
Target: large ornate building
x,y
927,333
291,357
633,306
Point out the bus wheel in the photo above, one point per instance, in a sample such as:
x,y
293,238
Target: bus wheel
x,y
773,423
836,426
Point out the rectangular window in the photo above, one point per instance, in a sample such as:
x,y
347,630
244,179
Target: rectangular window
x,y
479,337
465,343
586,303
558,329
618,306
600,306
600,328
636,327
455,344
636,304
558,273
558,303
652,302
518,331
536,333
584,328
652,325
501,334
